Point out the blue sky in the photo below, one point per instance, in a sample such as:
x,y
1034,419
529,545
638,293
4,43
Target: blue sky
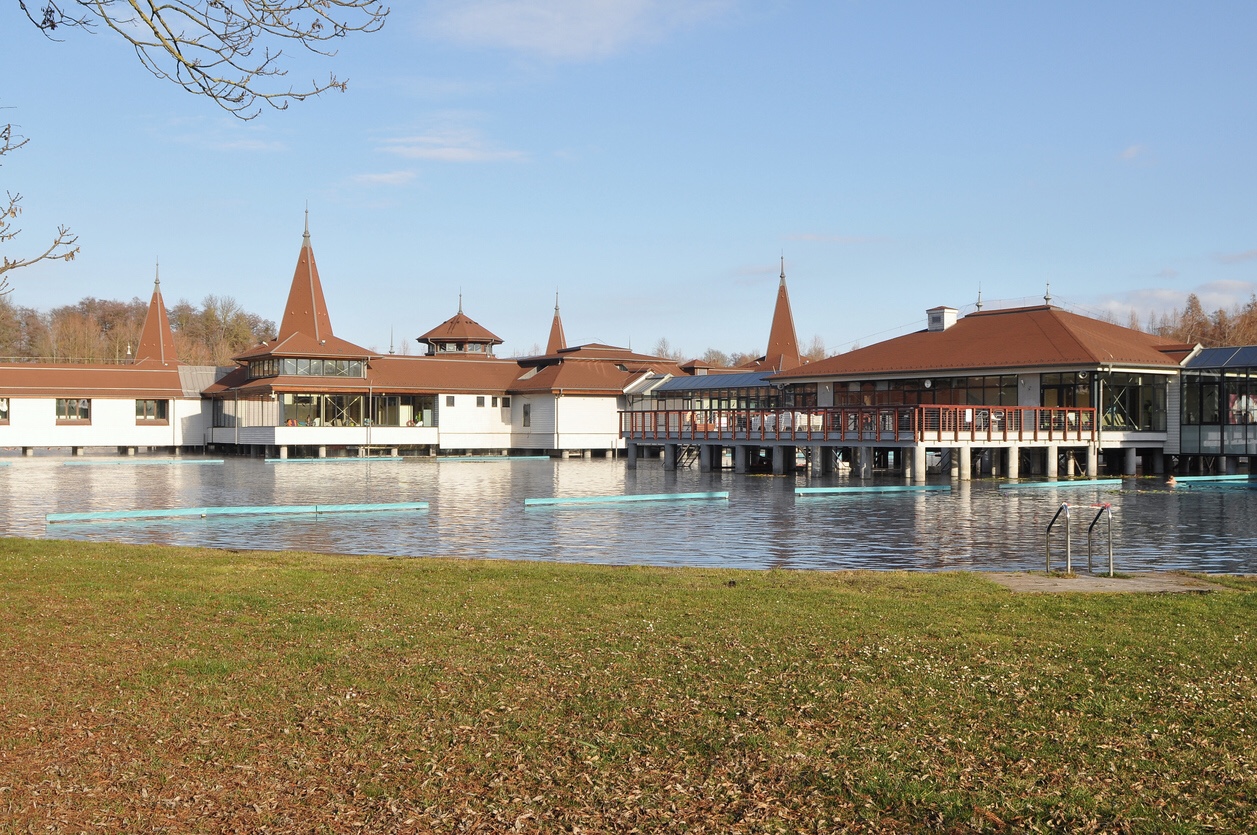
x,y
651,161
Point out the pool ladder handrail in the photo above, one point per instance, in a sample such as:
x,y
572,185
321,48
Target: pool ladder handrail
x,y
1105,509
1064,508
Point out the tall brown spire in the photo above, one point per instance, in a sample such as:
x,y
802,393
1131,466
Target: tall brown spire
x,y
157,343
783,342
557,340
306,310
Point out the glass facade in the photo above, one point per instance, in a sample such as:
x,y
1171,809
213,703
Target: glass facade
x,y
302,367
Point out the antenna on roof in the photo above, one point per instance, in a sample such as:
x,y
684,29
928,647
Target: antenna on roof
x,y
556,301
460,299
1047,296
157,273
783,267
306,234
390,341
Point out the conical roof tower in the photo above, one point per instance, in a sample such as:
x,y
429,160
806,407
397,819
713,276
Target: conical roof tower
x,y
157,343
306,310
557,340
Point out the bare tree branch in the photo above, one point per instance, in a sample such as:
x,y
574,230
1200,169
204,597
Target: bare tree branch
x,y
64,246
227,50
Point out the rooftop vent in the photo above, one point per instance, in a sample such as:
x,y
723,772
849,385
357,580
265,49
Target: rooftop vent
x,y
941,318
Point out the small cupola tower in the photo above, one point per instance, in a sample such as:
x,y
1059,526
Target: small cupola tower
x,y
460,336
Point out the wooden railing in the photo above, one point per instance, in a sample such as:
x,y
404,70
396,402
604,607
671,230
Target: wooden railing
x,y
866,424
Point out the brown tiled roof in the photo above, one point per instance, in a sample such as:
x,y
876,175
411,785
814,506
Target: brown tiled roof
x,y
304,345
125,381
306,310
460,328
391,374
1026,337
306,329
557,341
583,376
783,341
157,343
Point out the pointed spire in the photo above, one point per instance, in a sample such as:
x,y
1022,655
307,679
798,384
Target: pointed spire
x,y
1047,296
979,298
460,299
306,310
157,343
557,341
783,342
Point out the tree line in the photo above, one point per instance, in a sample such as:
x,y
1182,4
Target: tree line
x,y
1234,326
103,330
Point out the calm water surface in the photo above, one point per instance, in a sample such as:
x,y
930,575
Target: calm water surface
x,y
477,511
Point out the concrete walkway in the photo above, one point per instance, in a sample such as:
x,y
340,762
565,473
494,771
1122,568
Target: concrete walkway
x,y
1148,582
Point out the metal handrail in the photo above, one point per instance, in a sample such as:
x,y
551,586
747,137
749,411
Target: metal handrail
x,y
1105,508
1064,508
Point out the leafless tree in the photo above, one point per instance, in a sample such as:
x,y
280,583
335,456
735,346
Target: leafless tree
x,y
64,245
231,51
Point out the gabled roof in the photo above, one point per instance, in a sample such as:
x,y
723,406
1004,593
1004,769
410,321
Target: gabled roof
x,y
1026,337
576,376
460,328
157,343
783,341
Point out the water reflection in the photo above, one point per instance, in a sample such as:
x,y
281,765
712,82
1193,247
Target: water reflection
x,y
477,511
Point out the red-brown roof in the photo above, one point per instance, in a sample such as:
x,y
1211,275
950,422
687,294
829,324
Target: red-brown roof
x,y
157,343
557,341
69,380
1027,337
306,309
577,376
460,328
391,374
783,341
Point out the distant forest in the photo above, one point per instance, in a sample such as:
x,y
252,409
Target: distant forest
x,y
99,330
1237,326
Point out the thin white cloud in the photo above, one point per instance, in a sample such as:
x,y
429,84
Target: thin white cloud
x,y
566,30
1236,257
452,144
1213,295
388,178
1133,152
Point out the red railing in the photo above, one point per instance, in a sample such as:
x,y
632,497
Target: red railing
x,y
867,424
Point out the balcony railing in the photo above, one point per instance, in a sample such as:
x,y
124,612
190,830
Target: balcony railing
x,y
867,424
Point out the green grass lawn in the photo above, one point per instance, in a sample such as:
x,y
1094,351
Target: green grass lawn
x,y
153,688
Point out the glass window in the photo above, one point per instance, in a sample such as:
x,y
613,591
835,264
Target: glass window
x,y
151,410
480,400
528,414
506,402
74,409
449,400
4,410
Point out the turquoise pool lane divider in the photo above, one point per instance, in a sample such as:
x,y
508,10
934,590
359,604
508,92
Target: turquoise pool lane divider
x,y
479,459
1063,484
640,497
169,462
885,488
204,512
357,459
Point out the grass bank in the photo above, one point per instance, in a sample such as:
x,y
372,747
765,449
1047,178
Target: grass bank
x,y
149,688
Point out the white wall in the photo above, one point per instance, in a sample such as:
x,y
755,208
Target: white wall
x,y
33,423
